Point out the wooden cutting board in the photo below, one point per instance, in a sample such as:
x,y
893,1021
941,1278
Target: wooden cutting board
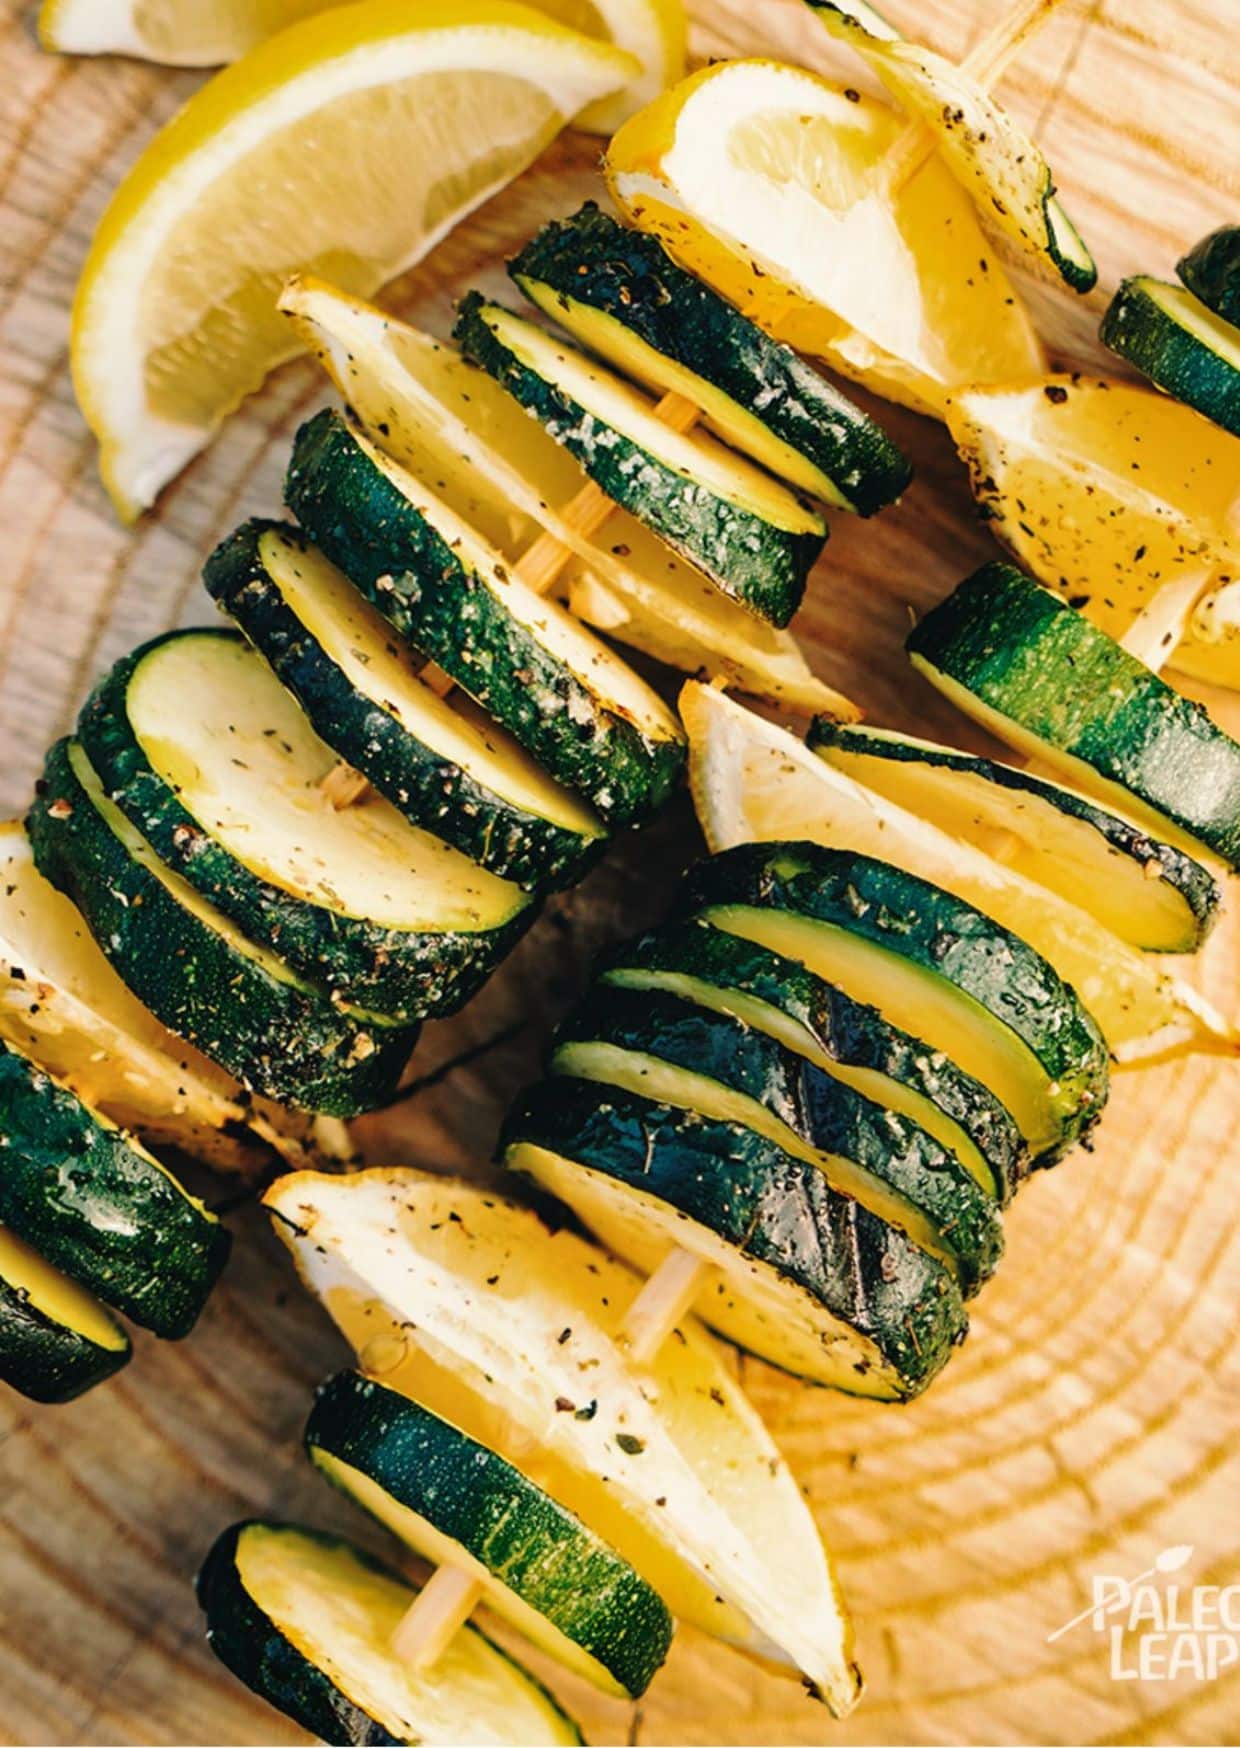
x,y
1092,1419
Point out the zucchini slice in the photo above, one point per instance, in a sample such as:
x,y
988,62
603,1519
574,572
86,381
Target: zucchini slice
x,y
56,1339
753,781
1148,892
1026,666
845,1038
473,1306
1179,343
437,760
467,441
95,1203
751,536
1211,271
803,1275
198,973
306,1621
620,294
455,1502
63,1004
574,706
931,963
993,157
668,1050
209,757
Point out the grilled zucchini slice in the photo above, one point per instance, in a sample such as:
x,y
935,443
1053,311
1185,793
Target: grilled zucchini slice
x,y
750,535
198,973
473,1306
930,962
1211,271
847,1039
1148,892
1183,346
455,1502
1026,666
752,781
63,1004
575,707
437,760
306,1621
95,1203
622,296
669,1050
802,1275
56,1339
467,441
209,757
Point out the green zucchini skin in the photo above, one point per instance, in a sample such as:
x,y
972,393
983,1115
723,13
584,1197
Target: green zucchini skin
x,y
629,276
1195,885
1026,654
1211,271
434,600
535,1547
404,974
777,1210
285,1040
1137,328
824,1113
77,1191
762,567
937,931
249,1643
850,1032
46,1361
428,789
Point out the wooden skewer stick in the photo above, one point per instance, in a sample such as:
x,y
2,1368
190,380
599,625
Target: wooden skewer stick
x,y
986,62
429,1625
1157,629
662,1301
538,568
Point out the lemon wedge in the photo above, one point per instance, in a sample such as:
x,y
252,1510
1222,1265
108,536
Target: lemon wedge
x,y
654,31
189,33
352,141
766,181
1109,493
179,33
991,154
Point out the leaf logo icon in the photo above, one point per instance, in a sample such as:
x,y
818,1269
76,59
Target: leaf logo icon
x,y
1171,1559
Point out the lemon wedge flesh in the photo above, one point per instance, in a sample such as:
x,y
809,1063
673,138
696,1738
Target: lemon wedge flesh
x,y
188,33
349,143
1108,493
992,155
766,181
